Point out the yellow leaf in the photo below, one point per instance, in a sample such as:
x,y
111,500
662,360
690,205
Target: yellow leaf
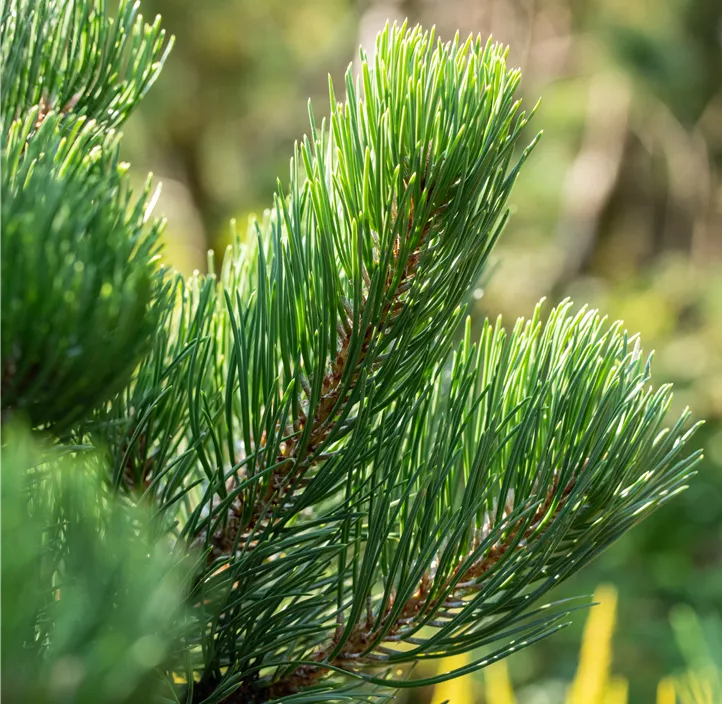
x,y
665,692
617,691
595,658
498,684
459,690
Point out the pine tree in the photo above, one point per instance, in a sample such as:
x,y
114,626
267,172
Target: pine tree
x,y
294,480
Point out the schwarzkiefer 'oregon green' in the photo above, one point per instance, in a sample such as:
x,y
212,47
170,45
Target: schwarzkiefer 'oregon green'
x,y
340,482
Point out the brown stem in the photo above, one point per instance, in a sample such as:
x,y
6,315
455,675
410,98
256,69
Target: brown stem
x,y
44,109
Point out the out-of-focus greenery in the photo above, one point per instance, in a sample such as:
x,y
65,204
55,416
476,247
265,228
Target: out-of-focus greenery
x,y
621,206
91,605
701,645
219,129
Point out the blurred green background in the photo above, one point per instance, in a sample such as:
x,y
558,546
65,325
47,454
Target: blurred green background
x,y
620,206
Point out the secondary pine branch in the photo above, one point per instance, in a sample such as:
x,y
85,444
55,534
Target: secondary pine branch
x,y
364,647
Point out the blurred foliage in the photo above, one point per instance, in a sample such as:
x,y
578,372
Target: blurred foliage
x,y
220,127
701,645
621,206
91,605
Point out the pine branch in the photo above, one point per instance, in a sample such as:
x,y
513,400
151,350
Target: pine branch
x,y
77,252
366,491
72,55
379,282
89,284
349,489
466,579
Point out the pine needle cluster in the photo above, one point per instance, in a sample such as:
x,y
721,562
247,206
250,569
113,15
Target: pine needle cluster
x,y
293,480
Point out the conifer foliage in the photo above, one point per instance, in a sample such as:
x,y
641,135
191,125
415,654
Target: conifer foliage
x,y
292,481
